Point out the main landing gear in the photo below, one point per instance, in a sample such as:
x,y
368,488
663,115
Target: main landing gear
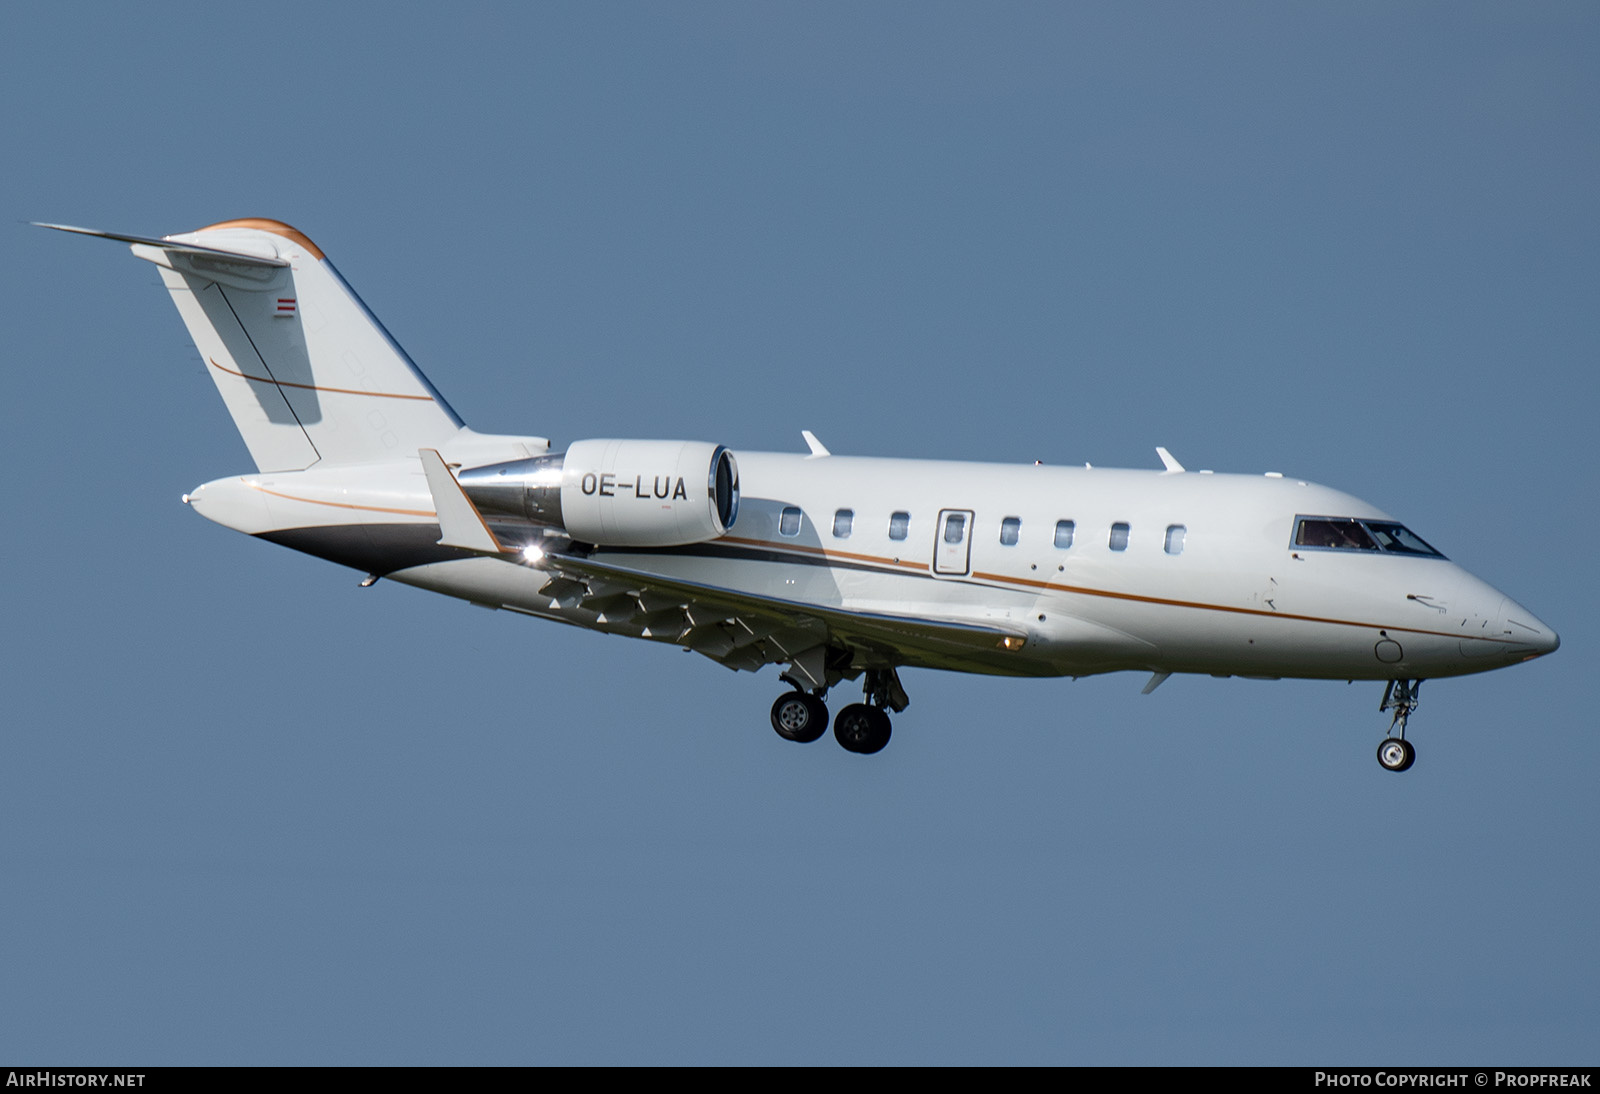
x,y
1396,753
800,717
863,728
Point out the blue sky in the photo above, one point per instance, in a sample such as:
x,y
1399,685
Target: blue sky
x,y
251,813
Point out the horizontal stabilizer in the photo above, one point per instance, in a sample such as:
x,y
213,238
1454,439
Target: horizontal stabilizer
x,y
244,257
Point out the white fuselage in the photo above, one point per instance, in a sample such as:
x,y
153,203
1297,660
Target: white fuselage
x,y
1165,571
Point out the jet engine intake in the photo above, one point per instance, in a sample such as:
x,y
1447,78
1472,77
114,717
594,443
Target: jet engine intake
x,y
616,493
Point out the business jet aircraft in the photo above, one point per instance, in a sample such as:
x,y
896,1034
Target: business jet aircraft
x,y
835,567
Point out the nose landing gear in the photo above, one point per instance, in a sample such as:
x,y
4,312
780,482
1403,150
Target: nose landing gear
x,y
1396,753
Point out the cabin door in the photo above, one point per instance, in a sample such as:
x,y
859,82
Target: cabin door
x,y
952,547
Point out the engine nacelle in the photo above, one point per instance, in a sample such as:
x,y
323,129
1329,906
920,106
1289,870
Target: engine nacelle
x,y
616,493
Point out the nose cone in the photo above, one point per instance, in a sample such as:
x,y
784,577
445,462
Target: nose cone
x,y
1528,635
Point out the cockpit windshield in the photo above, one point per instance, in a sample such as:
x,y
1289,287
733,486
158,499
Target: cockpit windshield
x,y
1400,539
1349,534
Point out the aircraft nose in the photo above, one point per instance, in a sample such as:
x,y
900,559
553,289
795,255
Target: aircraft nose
x,y
1526,630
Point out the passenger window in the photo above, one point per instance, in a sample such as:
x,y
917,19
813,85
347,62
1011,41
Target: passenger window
x,y
789,521
1064,530
841,523
1175,536
1009,528
899,525
955,528
1119,536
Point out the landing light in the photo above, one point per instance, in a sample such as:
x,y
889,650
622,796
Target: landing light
x,y
1011,642
532,553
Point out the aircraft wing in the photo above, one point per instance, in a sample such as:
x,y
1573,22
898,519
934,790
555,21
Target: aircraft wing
x,y
745,630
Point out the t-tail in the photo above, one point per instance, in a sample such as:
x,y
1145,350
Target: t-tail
x,y
308,373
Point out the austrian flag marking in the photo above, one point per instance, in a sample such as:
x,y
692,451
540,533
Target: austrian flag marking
x,y
286,307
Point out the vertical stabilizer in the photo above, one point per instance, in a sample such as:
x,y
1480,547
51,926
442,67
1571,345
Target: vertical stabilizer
x,y
308,373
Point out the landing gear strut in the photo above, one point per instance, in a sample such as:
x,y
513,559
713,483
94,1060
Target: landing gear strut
x,y
1396,753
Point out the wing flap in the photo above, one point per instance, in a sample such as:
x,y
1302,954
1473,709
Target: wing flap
x,y
728,624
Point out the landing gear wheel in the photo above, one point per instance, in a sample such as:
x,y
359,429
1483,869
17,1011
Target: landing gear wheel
x,y
800,717
1396,754
860,728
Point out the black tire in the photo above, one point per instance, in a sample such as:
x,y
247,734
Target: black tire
x,y
1411,756
1396,754
799,717
861,729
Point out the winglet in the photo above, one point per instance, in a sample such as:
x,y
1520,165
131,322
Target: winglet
x,y
815,445
1172,466
460,525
